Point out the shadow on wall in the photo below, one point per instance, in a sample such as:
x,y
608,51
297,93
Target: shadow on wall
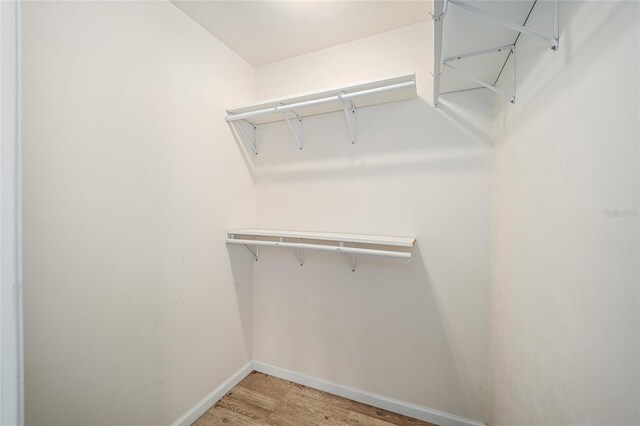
x,y
242,274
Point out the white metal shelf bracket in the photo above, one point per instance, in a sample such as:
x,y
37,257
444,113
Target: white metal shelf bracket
x,y
511,96
349,115
301,252
254,254
439,16
353,260
352,255
251,252
250,140
296,131
553,41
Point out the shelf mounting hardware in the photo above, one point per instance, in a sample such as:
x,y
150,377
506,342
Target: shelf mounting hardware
x,y
553,41
297,130
511,96
301,252
349,115
352,255
251,252
440,16
250,140
246,247
352,260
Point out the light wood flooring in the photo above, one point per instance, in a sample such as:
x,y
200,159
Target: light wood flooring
x,y
260,399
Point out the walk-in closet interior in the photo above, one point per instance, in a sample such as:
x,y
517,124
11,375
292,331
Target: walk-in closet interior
x,y
320,213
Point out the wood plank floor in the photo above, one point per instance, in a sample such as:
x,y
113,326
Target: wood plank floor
x,y
261,399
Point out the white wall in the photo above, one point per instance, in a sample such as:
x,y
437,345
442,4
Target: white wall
x,y
417,332
565,290
131,178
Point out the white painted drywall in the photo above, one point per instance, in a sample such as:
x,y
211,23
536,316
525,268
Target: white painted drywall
x,y
566,279
134,311
414,331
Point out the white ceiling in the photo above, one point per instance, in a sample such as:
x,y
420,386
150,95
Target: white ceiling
x,y
263,32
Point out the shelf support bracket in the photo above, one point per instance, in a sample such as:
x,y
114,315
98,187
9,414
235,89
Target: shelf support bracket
x,y
301,253
553,41
352,257
512,48
353,260
246,247
295,131
251,252
350,116
437,17
250,140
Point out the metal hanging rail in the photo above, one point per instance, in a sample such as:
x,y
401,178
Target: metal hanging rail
x,y
337,98
341,240
346,99
438,15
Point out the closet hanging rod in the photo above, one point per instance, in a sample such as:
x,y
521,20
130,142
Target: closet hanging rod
x,y
336,98
339,249
347,238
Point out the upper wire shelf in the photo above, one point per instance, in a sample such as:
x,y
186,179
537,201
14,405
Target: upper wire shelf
x,y
441,10
293,109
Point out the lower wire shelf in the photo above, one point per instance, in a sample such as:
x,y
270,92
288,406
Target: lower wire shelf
x,y
376,245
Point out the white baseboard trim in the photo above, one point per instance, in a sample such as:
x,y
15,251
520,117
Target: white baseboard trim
x,y
394,405
201,407
412,410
